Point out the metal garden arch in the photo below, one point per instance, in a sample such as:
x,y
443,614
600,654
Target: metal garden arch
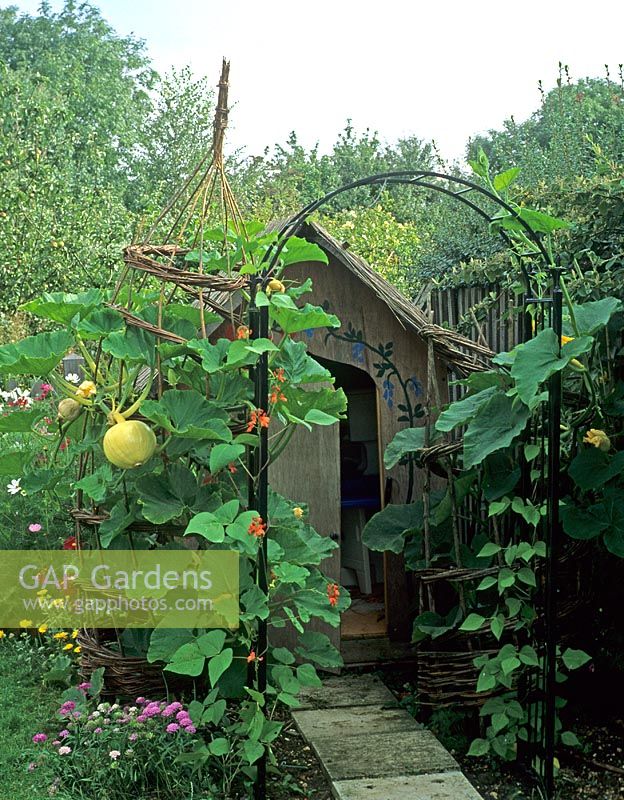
x,y
474,197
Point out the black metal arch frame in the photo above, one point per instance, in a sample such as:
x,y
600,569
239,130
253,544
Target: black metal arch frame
x,y
468,193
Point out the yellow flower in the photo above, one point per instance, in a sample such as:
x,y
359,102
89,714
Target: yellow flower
x,y
68,647
25,623
42,592
598,439
297,512
75,633
566,339
77,648
86,389
61,635
43,629
2,634
275,286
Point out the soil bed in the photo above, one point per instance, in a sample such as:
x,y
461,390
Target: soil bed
x,y
300,773
602,742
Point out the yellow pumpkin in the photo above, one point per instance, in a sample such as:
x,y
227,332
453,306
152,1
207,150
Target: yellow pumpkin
x,y
129,443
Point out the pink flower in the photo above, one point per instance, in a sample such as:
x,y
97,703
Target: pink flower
x,y
191,729
141,718
32,766
140,701
98,730
34,527
64,751
133,737
185,722
39,738
168,711
172,727
84,686
63,734
182,715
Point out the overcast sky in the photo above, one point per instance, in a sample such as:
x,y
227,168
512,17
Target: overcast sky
x,y
441,69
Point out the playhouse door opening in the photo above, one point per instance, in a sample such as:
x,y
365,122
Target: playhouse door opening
x,y
362,570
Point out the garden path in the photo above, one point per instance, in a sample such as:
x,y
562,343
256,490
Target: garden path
x,y
372,749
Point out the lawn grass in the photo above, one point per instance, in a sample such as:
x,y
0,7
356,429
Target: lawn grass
x,y
26,706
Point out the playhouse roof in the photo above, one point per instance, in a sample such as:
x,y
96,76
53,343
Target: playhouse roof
x,y
464,354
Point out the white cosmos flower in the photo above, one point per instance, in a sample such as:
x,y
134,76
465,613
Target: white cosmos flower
x,y
72,377
14,486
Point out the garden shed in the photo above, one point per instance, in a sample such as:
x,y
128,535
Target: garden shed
x,y
379,357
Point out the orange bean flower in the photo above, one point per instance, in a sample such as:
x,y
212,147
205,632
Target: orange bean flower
x,y
257,527
333,593
258,417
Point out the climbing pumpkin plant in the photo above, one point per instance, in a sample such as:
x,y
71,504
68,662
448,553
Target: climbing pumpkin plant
x,y
156,437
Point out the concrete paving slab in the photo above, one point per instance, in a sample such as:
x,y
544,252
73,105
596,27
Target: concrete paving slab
x,y
348,690
353,721
443,786
383,755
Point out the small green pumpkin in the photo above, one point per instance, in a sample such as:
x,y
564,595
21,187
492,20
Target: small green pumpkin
x,y
129,443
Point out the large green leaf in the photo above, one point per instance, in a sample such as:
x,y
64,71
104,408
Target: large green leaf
x,y
614,517
167,496
213,355
573,659
536,220
539,358
591,317
218,664
297,250
99,323
187,413
317,647
409,440
187,660
386,529
592,468
223,454
462,486
164,642
505,179
35,355
119,519
495,426
63,306
298,366
211,644
301,544
583,523
293,320
96,485
132,345
303,407
20,421
460,412
13,462
211,524
501,474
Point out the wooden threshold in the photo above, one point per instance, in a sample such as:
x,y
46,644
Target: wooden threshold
x,y
369,650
